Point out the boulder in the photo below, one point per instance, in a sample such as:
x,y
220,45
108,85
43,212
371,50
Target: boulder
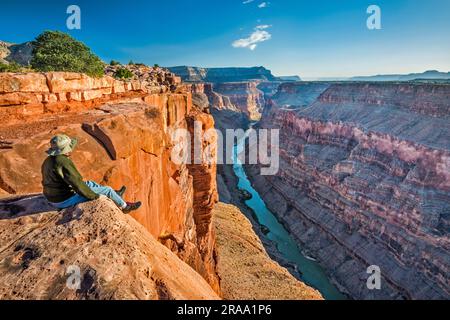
x,y
90,252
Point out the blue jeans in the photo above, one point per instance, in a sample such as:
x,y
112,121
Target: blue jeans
x,y
98,189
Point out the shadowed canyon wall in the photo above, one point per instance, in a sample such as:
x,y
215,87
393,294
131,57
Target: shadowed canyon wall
x,y
365,180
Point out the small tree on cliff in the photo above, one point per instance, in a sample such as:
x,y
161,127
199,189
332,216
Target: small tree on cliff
x,y
57,51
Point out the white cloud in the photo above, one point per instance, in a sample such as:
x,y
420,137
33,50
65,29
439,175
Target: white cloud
x,y
247,1
263,26
263,5
259,35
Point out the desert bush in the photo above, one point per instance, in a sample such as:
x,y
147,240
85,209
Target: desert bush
x,y
123,73
58,51
12,67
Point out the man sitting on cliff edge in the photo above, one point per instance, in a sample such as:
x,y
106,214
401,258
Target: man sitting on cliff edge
x,y
63,184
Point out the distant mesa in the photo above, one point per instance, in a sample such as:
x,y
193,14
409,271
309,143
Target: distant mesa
x,y
289,78
228,74
427,75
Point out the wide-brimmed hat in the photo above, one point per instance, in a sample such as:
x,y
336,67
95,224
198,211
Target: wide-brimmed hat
x,y
61,144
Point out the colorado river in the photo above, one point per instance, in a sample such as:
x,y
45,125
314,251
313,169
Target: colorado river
x,y
311,273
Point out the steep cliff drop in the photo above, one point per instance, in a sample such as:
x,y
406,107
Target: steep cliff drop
x,y
123,130
167,250
244,278
364,181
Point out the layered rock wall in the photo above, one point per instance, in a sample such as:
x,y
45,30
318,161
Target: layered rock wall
x,y
245,96
30,94
364,180
427,99
226,114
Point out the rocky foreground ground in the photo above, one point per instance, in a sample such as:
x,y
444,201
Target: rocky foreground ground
x,y
41,249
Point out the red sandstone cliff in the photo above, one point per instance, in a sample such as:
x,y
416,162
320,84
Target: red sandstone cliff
x,y
124,130
364,180
90,252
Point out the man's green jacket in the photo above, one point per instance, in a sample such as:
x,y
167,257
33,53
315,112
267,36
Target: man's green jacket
x,y
61,180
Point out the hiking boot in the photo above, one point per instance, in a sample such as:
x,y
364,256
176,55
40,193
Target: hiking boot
x,y
122,191
132,207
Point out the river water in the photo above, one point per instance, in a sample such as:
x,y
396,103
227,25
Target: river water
x,y
311,272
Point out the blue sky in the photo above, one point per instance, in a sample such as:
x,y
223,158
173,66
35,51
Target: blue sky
x,y
324,38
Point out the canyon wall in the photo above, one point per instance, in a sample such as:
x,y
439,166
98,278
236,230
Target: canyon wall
x,y
269,88
245,268
245,96
297,94
124,130
219,75
232,104
364,181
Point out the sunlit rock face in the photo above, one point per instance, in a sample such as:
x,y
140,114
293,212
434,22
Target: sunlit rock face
x,y
245,96
365,180
23,95
124,130
90,252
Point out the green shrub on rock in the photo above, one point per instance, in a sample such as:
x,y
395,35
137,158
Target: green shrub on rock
x,y
11,67
58,51
123,73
